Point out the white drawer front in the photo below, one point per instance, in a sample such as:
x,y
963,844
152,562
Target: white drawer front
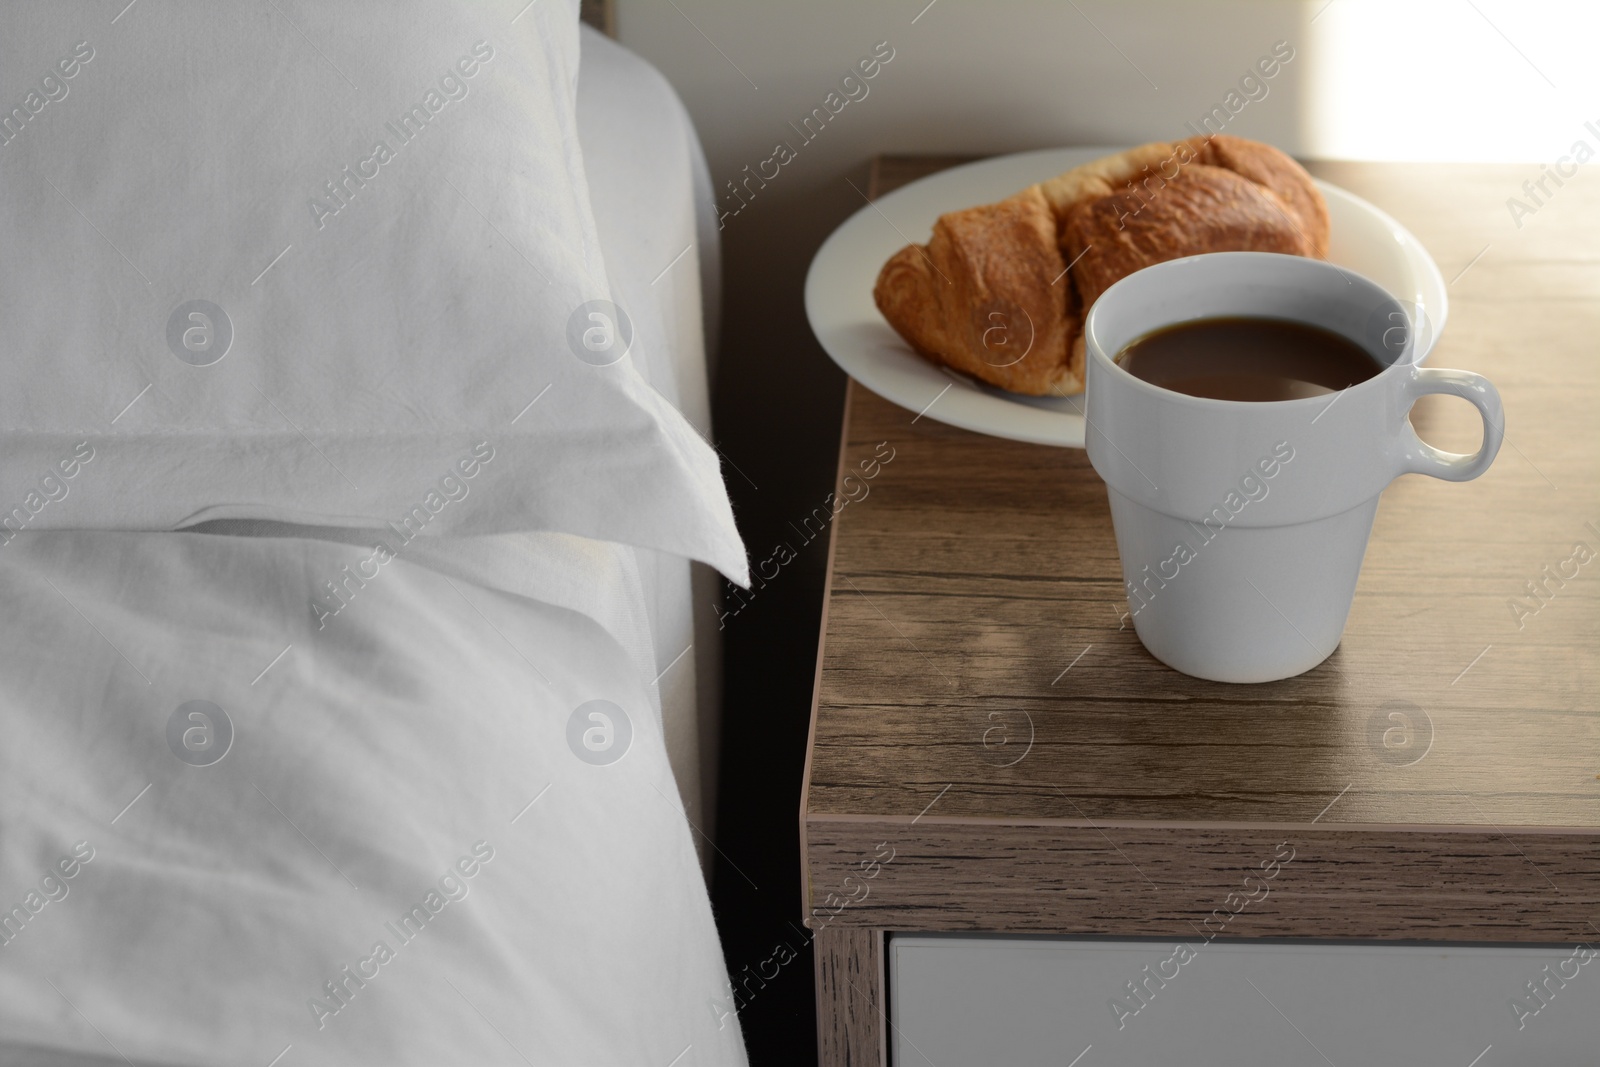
x,y
1014,1002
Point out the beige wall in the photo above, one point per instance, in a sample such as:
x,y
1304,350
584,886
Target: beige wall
x,y
1391,79
965,78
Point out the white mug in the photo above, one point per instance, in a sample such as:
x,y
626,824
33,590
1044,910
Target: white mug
x,y
1241,524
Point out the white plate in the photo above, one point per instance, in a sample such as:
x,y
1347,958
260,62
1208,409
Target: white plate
x,y
844,318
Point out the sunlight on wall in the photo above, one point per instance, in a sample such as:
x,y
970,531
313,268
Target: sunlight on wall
x,y
1487,80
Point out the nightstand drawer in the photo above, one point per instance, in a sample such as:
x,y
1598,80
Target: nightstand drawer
x,y
1015,1002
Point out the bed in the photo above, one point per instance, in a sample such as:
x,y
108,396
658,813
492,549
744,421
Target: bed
x,y
626,113
450,814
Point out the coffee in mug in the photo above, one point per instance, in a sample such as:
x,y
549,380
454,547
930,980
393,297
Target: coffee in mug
x,y
1242,358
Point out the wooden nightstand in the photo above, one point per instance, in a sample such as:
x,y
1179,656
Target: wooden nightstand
x,y
992,750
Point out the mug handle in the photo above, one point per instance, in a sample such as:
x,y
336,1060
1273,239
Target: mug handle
x,y
1419,457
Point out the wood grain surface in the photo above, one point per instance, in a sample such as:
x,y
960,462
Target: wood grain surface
x,y
985,711
851,1012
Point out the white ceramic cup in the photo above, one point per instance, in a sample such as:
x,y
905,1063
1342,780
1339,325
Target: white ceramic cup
x,y
1242,525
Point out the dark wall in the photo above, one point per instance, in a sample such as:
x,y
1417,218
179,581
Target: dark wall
x,y
777,410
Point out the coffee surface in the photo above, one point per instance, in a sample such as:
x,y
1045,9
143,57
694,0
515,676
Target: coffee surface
x,y
1243,358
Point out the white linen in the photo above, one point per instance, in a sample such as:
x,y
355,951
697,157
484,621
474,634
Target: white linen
x,y
646,214
390,309
655,215
369,755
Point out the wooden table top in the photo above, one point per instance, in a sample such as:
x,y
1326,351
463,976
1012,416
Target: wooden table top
x,y
986,716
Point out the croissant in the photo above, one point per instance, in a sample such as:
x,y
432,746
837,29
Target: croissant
x,y
1000,291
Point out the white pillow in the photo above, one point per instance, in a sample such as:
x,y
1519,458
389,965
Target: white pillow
x,y
321,263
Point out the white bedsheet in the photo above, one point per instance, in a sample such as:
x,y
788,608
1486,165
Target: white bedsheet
x,y
655,214
369,756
